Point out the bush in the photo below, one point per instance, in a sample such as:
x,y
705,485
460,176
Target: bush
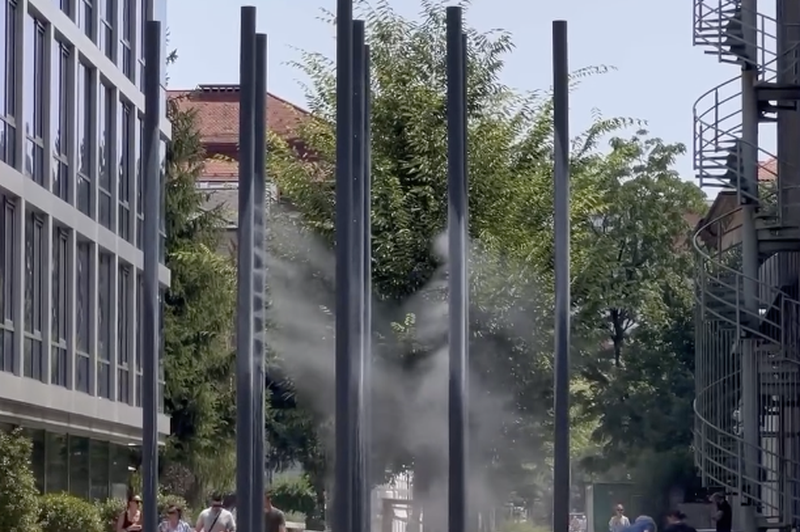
x,y
108,511
165,501
19,498
293,495
62,512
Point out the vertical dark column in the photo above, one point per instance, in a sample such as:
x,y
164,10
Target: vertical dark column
x,y
345,384
561,467
457,247
152,251
259,281
366,423
360,521
244,330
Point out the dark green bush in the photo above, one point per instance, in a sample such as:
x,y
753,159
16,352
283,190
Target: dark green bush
x,y
19,498
293,494
62,512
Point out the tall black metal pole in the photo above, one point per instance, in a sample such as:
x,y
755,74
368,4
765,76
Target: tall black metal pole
x,y
244,329
366,320
457,246
152,250
360,520
259,281
561,465
345,384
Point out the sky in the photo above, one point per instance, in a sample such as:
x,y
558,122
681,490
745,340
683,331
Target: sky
x,y
658,76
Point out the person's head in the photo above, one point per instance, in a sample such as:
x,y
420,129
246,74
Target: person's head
x,y
174,513
619,510
268,499
216,501
646,523
675,516
134,503
718,497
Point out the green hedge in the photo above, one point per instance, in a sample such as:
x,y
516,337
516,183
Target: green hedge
x,y
19,498
62,512
293,495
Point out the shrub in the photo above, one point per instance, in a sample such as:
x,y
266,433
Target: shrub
x,y
19,498
165,501
293,495
108,511
62,512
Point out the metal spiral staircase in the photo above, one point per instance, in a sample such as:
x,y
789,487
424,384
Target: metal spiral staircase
x,y
736,313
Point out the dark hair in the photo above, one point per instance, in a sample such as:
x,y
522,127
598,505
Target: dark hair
x,y
175,509
677,514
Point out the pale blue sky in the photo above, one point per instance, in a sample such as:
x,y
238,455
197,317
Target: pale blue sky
x,y
659,73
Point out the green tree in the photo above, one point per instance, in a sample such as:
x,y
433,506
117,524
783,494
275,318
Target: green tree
x,y
19,497
198,319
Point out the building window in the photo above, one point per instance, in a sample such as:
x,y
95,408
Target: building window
x,y
79,466
105,140
34,102
65,5
85,16
35,253
124,315
107,26
8,82
139,147
104,325
83,316
128,21
139,335
60,308
59,118
124,148
162,218
7,256
140,40
83,118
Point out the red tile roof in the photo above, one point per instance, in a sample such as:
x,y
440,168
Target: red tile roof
x,y
217,108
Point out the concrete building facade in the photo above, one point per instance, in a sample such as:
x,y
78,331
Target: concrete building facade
x,y
71,217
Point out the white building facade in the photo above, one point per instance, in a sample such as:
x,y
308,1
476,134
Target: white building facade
x,y
71,215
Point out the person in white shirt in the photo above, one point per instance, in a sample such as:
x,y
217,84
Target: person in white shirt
x,y
215,518
618,521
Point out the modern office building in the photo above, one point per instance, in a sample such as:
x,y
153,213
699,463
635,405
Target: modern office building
x,y
71,215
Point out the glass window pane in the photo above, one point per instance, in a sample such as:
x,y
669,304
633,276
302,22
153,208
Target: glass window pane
x,y
79,466
100,469
56,461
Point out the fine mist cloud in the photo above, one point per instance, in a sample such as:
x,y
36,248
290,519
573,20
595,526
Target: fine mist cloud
x,y
408,401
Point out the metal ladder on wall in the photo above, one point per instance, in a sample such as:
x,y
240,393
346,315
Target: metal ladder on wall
x,y
772,485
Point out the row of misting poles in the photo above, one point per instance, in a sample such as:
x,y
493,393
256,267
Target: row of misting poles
x,y
351,511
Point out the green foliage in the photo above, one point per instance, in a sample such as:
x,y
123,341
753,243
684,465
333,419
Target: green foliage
x,y
19,498
62,512
166,500
109,511
630,266
199,315
293,494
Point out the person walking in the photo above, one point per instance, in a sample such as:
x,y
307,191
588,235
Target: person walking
x,y
618,521
274,519
723,514
130,520
174,521
215,518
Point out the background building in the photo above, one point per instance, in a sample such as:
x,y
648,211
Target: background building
x,y
747,372
71,217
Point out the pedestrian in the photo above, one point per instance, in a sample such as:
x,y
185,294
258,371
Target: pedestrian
x,y
676,522
618,521
723,513
130,520
174,521
274,519
643,523
215,518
